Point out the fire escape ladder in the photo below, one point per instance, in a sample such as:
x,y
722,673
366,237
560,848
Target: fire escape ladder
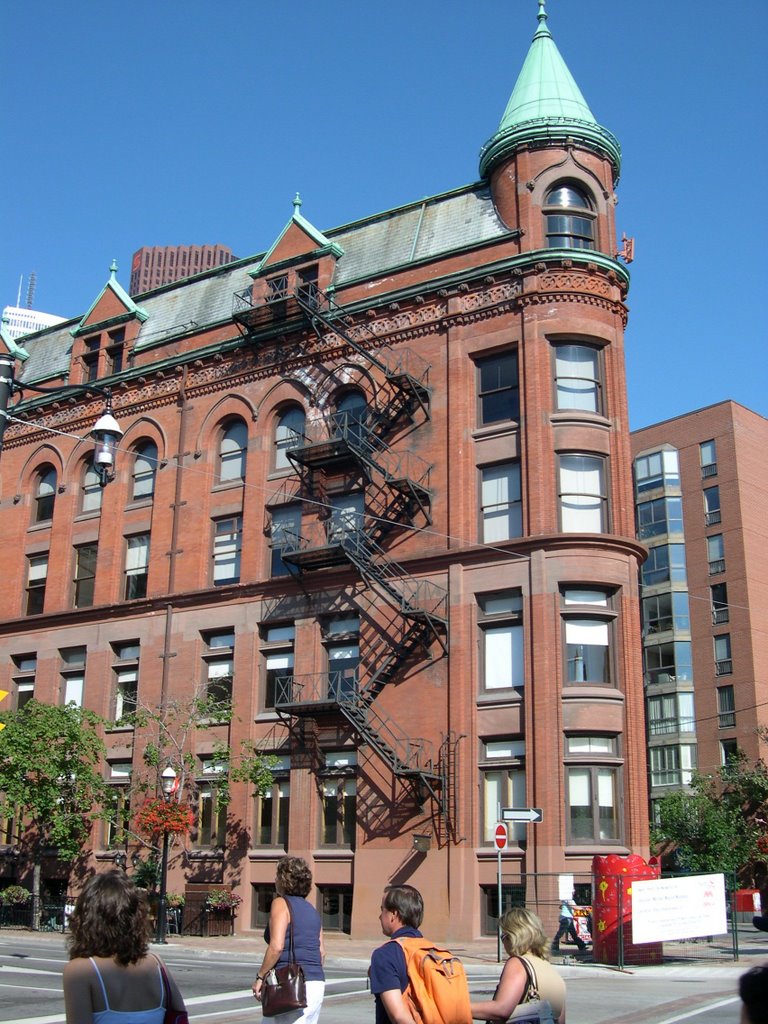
x,y
416,636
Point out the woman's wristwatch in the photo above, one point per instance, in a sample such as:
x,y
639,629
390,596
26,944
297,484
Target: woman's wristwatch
x,y
259,977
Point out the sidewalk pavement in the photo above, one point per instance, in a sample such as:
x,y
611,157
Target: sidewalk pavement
x,y
479,955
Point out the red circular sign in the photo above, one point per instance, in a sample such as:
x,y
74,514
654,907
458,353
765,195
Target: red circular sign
x,y
500,838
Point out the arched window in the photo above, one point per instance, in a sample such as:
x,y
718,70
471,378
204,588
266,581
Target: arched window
x,y
570,218
232,451
45,495
351,415
288,434
144,469
92,490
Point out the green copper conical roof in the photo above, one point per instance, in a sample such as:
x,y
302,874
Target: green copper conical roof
x,y
547,105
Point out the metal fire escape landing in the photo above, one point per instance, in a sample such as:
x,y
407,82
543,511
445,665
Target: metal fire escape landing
x,y
397,493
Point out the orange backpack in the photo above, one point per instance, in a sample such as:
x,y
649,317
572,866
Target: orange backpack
x,y
437,991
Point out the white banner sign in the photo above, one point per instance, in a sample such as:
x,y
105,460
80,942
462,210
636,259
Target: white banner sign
x,y
678,908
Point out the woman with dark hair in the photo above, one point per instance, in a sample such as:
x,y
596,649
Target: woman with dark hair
x,y
527,946
111,977
753,989
293,881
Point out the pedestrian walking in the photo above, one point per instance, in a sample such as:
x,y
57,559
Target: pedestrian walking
x,y
293,880
402,911
527,974
111,977
567,926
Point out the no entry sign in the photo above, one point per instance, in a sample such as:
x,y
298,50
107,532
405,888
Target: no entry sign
x,y
500,837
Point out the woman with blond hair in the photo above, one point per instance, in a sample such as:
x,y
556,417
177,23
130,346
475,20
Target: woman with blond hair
x,y
111,977
528,967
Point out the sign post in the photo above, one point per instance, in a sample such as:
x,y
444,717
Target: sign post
x,y
500,838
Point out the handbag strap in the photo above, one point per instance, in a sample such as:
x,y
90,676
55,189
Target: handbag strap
x,y
531,990
290,930
166,983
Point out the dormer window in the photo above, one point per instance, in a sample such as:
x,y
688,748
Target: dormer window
x,y
570,218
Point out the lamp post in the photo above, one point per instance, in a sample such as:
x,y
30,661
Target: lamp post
x,y
168,780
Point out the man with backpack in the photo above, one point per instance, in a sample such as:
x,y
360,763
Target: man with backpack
x,y
412,980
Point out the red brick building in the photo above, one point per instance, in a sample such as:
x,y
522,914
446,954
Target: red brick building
x,y
377,480
155,265
701,491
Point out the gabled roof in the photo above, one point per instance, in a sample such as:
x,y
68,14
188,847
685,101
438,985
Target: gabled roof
x,y
112,303
546,103
298,238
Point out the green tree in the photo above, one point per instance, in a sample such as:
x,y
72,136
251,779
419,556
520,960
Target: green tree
x,y
51,780
716,826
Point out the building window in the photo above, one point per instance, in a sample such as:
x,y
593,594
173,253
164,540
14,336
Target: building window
x,y
45,495
37,577
593,789
144,470
116,351
673,765
719,595
498,389
289,433
126,672
726,707
587,636
285,535
233,449
85,575
665,564
342,644
670,713
277,648
211,817
339,787
708,458
219,661
667,663
660,469
583,501
723,661
227,546
91,358
336,908
501,640
712,506
347,517
716,554
577,378
307,279
501,508
271,811
72,674
351,417
118,823
729,752
92,491
664,612
513,895
503,785
24,669
569,215
136,566
659,516
261,901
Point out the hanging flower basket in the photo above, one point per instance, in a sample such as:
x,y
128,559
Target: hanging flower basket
x,y
158,817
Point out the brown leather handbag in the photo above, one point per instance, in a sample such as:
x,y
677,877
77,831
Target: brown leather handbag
x,y
284,987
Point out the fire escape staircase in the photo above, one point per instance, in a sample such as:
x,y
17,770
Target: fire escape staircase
x,y
397,488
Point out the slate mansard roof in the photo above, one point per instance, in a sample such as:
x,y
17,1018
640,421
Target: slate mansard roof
x,y
430,228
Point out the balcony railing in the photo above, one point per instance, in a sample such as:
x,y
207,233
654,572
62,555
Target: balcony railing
x,y
724,667
710,470
712,518
720,615
716,565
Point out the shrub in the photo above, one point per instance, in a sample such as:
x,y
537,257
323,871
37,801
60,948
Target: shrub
x,y
222,899
15,896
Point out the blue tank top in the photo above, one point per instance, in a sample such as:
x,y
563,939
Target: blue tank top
x,y
306,941
110,1016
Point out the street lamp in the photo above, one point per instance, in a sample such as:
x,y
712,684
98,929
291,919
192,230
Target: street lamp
x,y
168,782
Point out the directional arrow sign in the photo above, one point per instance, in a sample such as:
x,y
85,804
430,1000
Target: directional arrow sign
x,y
532,814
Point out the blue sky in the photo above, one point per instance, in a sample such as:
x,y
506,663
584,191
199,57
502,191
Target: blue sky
x,y
156,123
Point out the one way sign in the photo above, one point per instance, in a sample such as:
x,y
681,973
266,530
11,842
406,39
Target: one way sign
x,y
530,814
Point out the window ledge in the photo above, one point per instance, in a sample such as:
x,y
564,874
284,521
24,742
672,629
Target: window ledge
x,y
333,853
82,517
496,430
601,849
499,698
228,485
119,728
491,853
594,419
211,853
140,503
268,853
598,691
